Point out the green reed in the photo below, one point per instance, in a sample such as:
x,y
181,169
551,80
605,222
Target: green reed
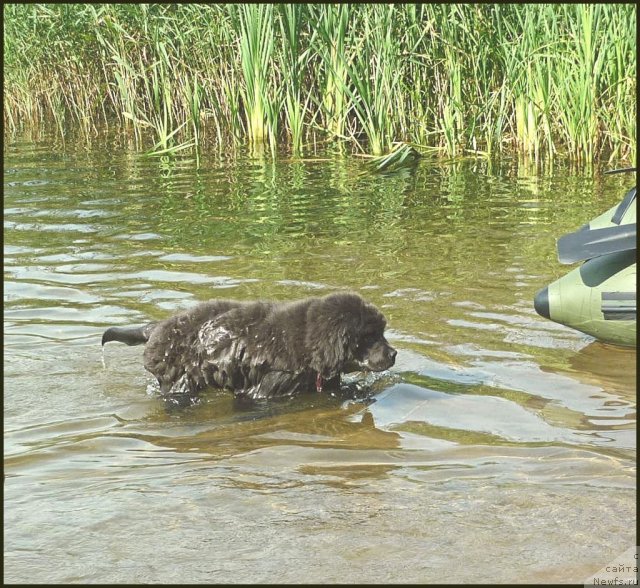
x,y
330,33
539,80
255,30
294,60
373,78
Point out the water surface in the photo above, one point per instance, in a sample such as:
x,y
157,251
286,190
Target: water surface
x,y
500,447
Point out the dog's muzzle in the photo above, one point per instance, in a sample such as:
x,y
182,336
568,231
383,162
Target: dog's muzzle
x,y
379,358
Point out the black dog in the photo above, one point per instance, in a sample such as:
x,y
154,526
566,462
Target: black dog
x,y
263,349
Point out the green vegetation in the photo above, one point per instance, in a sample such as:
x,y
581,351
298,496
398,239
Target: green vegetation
x,y
537,79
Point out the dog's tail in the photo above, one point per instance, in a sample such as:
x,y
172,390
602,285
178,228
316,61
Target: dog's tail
x,y
128,335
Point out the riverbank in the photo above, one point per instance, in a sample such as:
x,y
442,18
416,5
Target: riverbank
x,y
539,80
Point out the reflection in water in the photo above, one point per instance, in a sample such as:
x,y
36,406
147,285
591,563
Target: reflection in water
x,y
498,439
614,368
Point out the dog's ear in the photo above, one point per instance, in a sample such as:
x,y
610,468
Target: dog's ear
x,y
327,339
329,346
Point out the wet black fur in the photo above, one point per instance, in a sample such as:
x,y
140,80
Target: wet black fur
x,y
262,349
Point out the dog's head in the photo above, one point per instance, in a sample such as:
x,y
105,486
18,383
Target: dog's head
x,y
345,333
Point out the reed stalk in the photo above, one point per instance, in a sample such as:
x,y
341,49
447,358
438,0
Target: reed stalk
x,y
331,30
254,26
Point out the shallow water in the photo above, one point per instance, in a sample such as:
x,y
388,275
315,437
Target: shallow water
x,y
500,447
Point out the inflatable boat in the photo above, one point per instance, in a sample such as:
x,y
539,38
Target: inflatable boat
x,y
599,296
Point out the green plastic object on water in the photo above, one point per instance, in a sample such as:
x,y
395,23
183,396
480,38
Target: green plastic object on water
x,y
599,296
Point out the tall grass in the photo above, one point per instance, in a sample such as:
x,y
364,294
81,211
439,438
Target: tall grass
x,y
374,77
254,28
293,60
539,80
330,26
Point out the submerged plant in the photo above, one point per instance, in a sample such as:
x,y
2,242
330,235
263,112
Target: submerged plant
x,y
400,155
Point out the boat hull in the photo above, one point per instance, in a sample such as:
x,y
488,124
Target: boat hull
x,y
597,298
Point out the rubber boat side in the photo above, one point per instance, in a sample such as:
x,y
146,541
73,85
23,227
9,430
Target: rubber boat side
x,y
598,297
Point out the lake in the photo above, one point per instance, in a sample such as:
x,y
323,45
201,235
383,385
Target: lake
x,y
499,448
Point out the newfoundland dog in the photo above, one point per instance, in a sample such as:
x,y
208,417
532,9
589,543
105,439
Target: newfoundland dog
x,y
262,349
